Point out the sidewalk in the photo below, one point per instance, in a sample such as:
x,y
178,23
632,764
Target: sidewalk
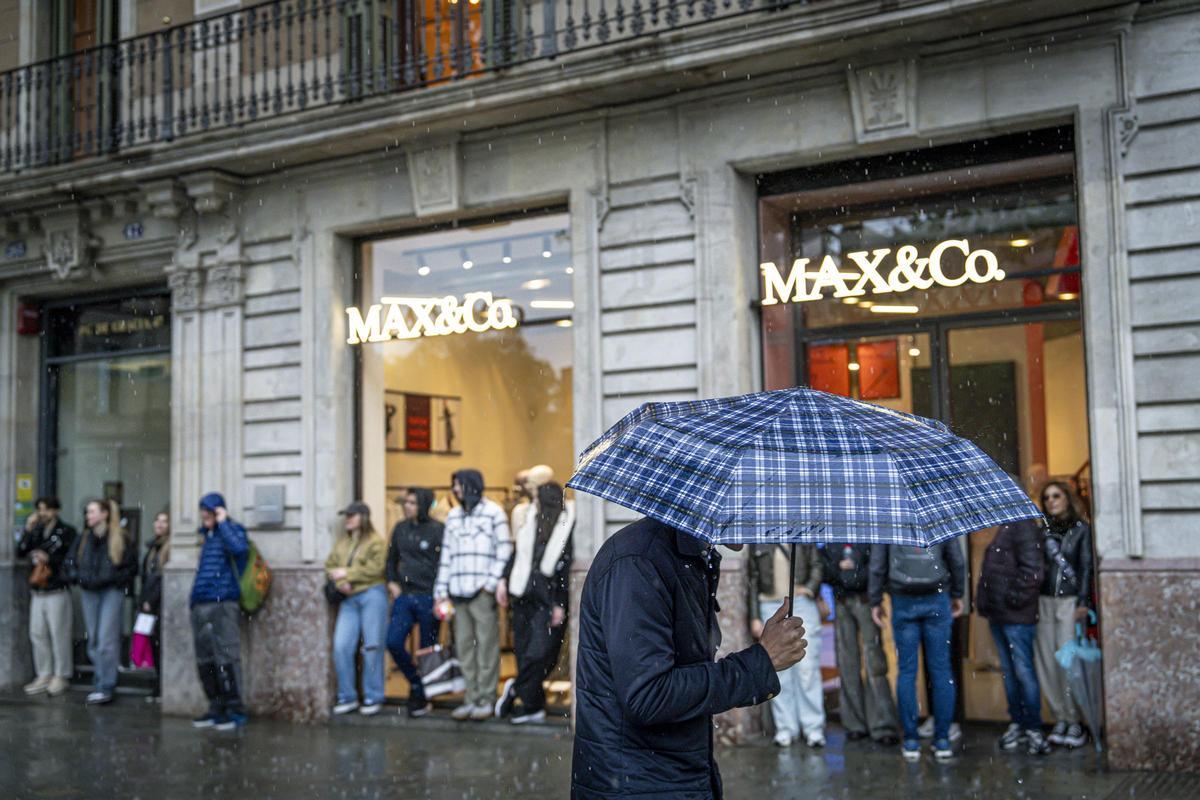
x,y
61,748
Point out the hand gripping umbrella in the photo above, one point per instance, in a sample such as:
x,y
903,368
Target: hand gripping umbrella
x,y
798,466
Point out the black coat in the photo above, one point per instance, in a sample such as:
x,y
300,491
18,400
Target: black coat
x,y
90,566
1075,547
1010,577
647,684
846,583
56,542
152,576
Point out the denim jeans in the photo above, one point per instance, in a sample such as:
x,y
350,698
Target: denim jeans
x,y
363,614
1014,644
409,610
923,619
102,616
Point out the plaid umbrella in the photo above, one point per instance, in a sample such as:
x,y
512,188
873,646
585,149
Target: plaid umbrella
x,y
798,465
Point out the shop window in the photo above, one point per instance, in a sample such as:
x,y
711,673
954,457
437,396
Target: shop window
x,y
465,337
947,283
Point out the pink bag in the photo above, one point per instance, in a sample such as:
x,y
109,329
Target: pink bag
x,y
141,652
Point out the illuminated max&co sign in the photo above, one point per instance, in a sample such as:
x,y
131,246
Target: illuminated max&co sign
x,y
905,272
414,317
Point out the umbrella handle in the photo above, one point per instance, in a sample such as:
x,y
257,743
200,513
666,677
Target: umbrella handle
x,y
791,582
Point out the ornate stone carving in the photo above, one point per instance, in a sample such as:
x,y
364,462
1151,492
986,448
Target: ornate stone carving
x,y
883,99
687,196
1125,123
224,285
166,199
185,288
435,178
69,247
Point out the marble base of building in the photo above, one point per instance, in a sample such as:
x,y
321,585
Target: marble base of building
x,y
286,649
1151,619
16,656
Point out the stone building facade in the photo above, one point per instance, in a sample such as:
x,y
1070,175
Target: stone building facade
x,y
654,147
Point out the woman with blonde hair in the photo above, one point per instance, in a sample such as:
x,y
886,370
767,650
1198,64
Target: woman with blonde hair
x,y
355,568
104,564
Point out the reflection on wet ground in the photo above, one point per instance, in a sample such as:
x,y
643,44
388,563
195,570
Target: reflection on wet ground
x,y
62,749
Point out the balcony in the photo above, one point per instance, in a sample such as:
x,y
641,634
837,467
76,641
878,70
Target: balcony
x,y
280,58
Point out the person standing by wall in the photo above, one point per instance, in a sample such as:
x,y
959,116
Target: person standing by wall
x,y
356,566
215,613
1010,580
867,710
150,597
104,564
1065,598
46,542
799,708
538,587
412,563
926,586
476,547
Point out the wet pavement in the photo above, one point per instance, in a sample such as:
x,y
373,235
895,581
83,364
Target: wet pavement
x,y
61,749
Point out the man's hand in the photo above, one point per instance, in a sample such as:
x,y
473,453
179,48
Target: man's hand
x,y
337,574
344,587
39,556
502,594
557,616
783,639
957,607
221,514
878,615
756,628
1081,613
394,589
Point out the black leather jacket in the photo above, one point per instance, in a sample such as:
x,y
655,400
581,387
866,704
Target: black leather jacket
x,y
1069,562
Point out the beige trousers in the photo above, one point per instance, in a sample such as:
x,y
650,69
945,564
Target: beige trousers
x,y
50,633
1056,627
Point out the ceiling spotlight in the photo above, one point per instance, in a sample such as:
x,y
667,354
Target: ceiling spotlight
x,y
850,301
535,284
468,264
853,366
546,247
1020,242
570,270
506,253
423,271
914,351
563,323
1067,296
506,259
555,304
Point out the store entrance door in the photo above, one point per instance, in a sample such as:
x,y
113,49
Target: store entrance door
x,y
1015,389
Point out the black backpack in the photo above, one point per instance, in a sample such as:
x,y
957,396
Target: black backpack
x,y
916,570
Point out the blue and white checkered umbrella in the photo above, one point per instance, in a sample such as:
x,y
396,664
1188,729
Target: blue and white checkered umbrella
x,y
799,465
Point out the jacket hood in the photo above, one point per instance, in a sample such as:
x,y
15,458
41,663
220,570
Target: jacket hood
x,y
472,486
424,502
211,501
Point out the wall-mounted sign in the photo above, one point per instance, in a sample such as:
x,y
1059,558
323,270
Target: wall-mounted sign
x,y
133,231
421,423
414,317
14,250
906,270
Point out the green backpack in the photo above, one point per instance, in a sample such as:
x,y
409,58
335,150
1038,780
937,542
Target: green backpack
x,y
254,581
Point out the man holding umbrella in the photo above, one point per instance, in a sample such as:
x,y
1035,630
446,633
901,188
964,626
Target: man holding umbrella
x,y
785,467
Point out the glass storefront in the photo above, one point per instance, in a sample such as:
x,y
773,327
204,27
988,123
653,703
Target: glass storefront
x,y
944,282
466,362
107,411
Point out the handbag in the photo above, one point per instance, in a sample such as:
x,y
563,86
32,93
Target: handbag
x,y
39,578
332,593
440,671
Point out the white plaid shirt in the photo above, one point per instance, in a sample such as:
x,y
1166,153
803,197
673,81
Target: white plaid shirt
x,y
475,551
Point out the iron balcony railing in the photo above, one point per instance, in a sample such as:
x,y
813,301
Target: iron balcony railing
x,y
278,57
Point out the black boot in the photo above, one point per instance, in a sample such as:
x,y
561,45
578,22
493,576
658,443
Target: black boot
x,y
209,682
233,713
418,706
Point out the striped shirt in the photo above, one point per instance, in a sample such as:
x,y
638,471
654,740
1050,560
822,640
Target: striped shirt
x,y
475,551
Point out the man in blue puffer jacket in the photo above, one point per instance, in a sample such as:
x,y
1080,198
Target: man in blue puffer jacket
x,y
215,612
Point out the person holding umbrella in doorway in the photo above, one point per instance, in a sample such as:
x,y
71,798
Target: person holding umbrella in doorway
x,y
787,467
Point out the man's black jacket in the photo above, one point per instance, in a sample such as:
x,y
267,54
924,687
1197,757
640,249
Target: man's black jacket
x,y
646,682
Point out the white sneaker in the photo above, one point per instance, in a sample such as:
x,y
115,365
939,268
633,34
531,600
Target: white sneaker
x,y
815,740
926,729
955,732
463,712
37,685
99,698
370,709
534,717
345,708
57,686
783,740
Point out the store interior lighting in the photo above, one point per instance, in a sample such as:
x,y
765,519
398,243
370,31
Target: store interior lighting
x,y
467,263
546,251
535,284
1020,242
563,323
570,270
853,366
552,304
423,271
914,351
506,256
875,309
